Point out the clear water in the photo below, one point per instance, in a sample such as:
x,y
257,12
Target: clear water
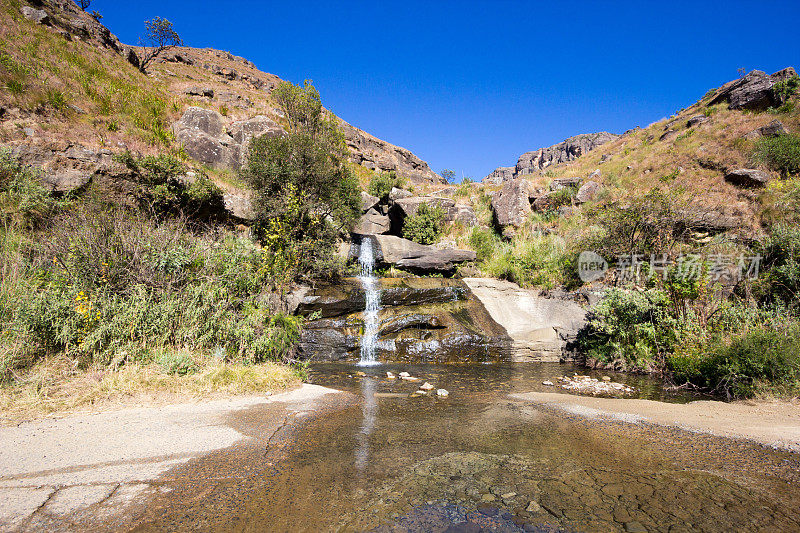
x,y
372,291
382,459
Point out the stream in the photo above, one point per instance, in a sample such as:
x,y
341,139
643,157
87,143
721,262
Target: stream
x,y
388,461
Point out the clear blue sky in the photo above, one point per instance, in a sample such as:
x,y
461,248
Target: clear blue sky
x,y
471,85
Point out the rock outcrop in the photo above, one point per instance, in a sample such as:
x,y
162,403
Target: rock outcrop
x,y
773,129
511,204
747,177
409,255
376,154
755,91
421,320
539,327
537,160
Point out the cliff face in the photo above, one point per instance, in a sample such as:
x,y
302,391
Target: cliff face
x,y
536,161
235,93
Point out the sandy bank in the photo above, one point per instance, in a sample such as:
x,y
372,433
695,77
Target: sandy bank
x,y
55,471
773,423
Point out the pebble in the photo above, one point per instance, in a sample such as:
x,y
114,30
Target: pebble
x,y
405,375
606,378
361,374
426,386
389,375
594,386
409,378
533,507
443,393
508,495
548,383
488,497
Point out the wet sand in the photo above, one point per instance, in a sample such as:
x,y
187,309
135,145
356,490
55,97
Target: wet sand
x,y
772,423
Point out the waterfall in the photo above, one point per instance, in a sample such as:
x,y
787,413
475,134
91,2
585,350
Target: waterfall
x,y
370,283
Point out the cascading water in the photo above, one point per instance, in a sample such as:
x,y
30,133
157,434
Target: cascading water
x,y
370,283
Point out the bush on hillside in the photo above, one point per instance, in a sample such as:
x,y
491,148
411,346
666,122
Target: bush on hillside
x,y
781,153
305,193
381,184
424,226
779,278
24,200
166,190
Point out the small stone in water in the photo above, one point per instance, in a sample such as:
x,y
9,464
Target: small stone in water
x,y
390,375
533,507
508,495
426,386
488,497
360,374
409,378
404,374
606,378
443,393
548,383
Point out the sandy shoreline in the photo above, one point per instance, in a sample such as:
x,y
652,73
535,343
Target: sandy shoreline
x,y
771,423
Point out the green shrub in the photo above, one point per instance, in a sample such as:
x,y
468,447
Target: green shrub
x,y
630,330
177,362
381,184
23,198
750,361
781,153
167,191
562,197
424,226
483,240
784,89
780,265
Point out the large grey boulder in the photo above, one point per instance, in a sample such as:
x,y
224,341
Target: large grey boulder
x,y
206,92
64,181
588,192
207,148
239,206
38,16
403,253
244,131
372,223
409,206
511,204
695,120
397,194
368,201
539,327
206,120
465,214
753,91
562,183
747,177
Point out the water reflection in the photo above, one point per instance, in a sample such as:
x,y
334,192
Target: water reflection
x,y
369,408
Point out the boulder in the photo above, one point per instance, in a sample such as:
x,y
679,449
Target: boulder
x,y
38,16
243,131
368,201
773,129
65,181
588,192
544,202
695,120
404,253
499,175
372,223
754,91
409,206
206,120
746,177
206,92
397,194
239,206
511,204
465,214
207,148
562,183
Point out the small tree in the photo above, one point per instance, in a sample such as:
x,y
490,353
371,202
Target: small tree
x,y
160,36
305,193
449,175
84,4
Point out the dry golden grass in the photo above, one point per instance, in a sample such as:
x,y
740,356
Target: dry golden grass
x,y
56,385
